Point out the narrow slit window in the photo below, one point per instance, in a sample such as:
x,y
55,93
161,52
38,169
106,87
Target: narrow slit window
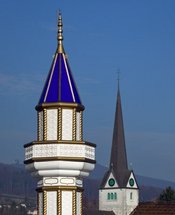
x,y
112,196
115,196
131,196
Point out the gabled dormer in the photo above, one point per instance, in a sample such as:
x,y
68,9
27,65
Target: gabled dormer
x,y
109,180
132,182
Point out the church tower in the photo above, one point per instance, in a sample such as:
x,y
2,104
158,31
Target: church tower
x,y
60,158
119,190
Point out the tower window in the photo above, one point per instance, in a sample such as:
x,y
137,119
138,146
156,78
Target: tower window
x,y
131,196
112,196
115,196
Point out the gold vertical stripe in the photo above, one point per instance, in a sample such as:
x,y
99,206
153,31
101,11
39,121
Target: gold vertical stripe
x,y
81,203
81,126
59,123
74,202
38,125
59,79
45,124
74,125
59,201
38,211
45,203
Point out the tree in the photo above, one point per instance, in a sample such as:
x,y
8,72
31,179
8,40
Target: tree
x,y
167,195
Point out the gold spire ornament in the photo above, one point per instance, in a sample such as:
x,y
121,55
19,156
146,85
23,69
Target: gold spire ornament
x,y
60,34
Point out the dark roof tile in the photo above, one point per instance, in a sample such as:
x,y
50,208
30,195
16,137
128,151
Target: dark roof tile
x,y
154,208
96,212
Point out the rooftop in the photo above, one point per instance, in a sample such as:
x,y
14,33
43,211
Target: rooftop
x,y
154,208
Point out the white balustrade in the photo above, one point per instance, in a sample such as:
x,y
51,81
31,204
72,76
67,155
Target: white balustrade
x,y
59,150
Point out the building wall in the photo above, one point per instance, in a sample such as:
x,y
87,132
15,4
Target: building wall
x,y
121,201
132,199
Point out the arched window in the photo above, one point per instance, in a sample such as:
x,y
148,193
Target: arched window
x,y
108,196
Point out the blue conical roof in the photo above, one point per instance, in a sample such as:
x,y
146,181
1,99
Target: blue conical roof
x,y
60,85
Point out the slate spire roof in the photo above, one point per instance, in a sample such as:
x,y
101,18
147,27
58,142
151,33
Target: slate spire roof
x,y
118,159
60,85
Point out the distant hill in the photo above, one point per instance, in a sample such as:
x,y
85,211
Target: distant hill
x,y
16,181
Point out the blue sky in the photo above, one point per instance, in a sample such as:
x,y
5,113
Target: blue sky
x,y
137,36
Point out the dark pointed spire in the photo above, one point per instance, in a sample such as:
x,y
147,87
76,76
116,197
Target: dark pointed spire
x,y
118,160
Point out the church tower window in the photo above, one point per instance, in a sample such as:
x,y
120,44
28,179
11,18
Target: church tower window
x,y
131,196
112,196
115,196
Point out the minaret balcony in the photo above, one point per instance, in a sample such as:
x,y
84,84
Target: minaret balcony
x,y
59,159
36,150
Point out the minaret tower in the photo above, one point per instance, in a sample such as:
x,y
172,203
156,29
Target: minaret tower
x,y
119,190
60,158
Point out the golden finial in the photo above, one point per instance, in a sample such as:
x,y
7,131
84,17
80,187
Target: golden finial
x,y
60,33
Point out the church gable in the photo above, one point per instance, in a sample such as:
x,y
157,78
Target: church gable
x,y
111,181
132,183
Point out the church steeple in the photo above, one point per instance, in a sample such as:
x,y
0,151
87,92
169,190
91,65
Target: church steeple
x,y
119,190
118,160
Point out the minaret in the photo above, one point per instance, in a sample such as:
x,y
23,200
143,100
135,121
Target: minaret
x,y
119,190
60,158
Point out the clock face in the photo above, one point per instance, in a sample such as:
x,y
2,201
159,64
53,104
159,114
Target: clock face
x,y
131,182
111,182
